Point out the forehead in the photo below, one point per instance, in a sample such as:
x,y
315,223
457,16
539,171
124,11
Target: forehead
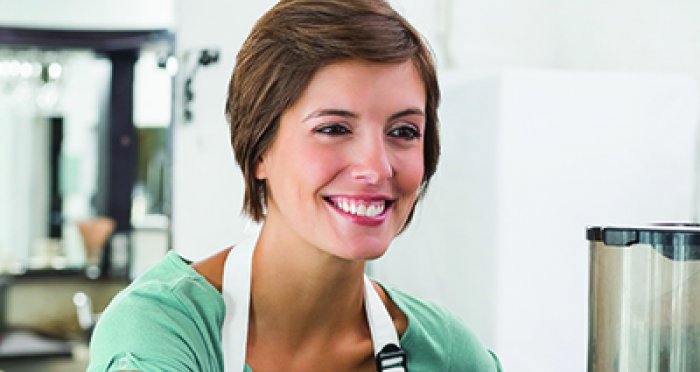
x,y
364,86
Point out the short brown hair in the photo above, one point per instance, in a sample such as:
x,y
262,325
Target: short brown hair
x,y
283,51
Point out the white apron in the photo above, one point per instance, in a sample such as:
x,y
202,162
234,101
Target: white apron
x,y
236,293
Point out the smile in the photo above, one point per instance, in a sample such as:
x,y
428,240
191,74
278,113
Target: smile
x,y
359,207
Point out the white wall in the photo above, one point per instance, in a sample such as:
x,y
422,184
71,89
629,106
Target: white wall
x,y
87,14
208,188
630,35
627,35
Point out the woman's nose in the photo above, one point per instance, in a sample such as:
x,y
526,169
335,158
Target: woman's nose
x,y
371,162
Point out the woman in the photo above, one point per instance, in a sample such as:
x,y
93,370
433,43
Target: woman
x,y
332,109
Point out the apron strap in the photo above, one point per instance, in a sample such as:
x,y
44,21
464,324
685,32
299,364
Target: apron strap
x,y
389,355
236,292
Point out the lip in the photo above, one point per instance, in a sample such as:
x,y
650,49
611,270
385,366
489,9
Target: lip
x,y
362,220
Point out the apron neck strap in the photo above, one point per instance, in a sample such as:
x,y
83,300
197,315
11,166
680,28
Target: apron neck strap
x,y
385,341
236,292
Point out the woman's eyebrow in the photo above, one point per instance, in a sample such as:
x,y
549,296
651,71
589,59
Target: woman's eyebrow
x,y
350,114
331,112
407,112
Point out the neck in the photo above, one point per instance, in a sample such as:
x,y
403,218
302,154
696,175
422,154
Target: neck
x,y
301,293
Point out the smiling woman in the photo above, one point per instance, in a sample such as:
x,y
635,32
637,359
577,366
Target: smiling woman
x,y
351,144
332,108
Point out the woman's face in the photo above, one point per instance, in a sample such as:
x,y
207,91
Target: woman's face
x,y
345,168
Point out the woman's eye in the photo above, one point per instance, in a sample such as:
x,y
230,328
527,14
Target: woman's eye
x,y
333,130
405,132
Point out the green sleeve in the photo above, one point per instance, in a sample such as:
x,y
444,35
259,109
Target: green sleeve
x,y
466,351
153,329
437,340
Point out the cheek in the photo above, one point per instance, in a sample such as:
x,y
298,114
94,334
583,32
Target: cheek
x,y
409,172
311,166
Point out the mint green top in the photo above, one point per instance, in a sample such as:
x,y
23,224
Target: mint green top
x,y
170,318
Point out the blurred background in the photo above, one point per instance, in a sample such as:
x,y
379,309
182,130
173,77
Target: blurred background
x,y
555,116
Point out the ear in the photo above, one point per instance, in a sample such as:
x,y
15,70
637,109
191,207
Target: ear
x,y
260,169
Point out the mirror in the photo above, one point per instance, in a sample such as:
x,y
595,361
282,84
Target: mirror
x,y
52,105
85,121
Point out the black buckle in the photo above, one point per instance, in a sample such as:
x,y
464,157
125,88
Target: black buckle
x,y
391,356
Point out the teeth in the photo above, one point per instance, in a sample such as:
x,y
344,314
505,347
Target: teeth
x,y
362,208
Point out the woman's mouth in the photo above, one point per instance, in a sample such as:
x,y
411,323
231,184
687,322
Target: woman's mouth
x,y
360,207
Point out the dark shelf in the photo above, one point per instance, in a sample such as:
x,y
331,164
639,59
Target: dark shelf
x,y
69,273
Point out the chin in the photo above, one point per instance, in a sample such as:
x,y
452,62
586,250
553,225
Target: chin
x,y
361,249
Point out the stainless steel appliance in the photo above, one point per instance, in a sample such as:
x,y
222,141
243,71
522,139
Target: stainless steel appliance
x,y
644,304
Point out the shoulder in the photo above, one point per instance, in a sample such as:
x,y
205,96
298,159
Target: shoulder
x,y
169,318
437,337
171,285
